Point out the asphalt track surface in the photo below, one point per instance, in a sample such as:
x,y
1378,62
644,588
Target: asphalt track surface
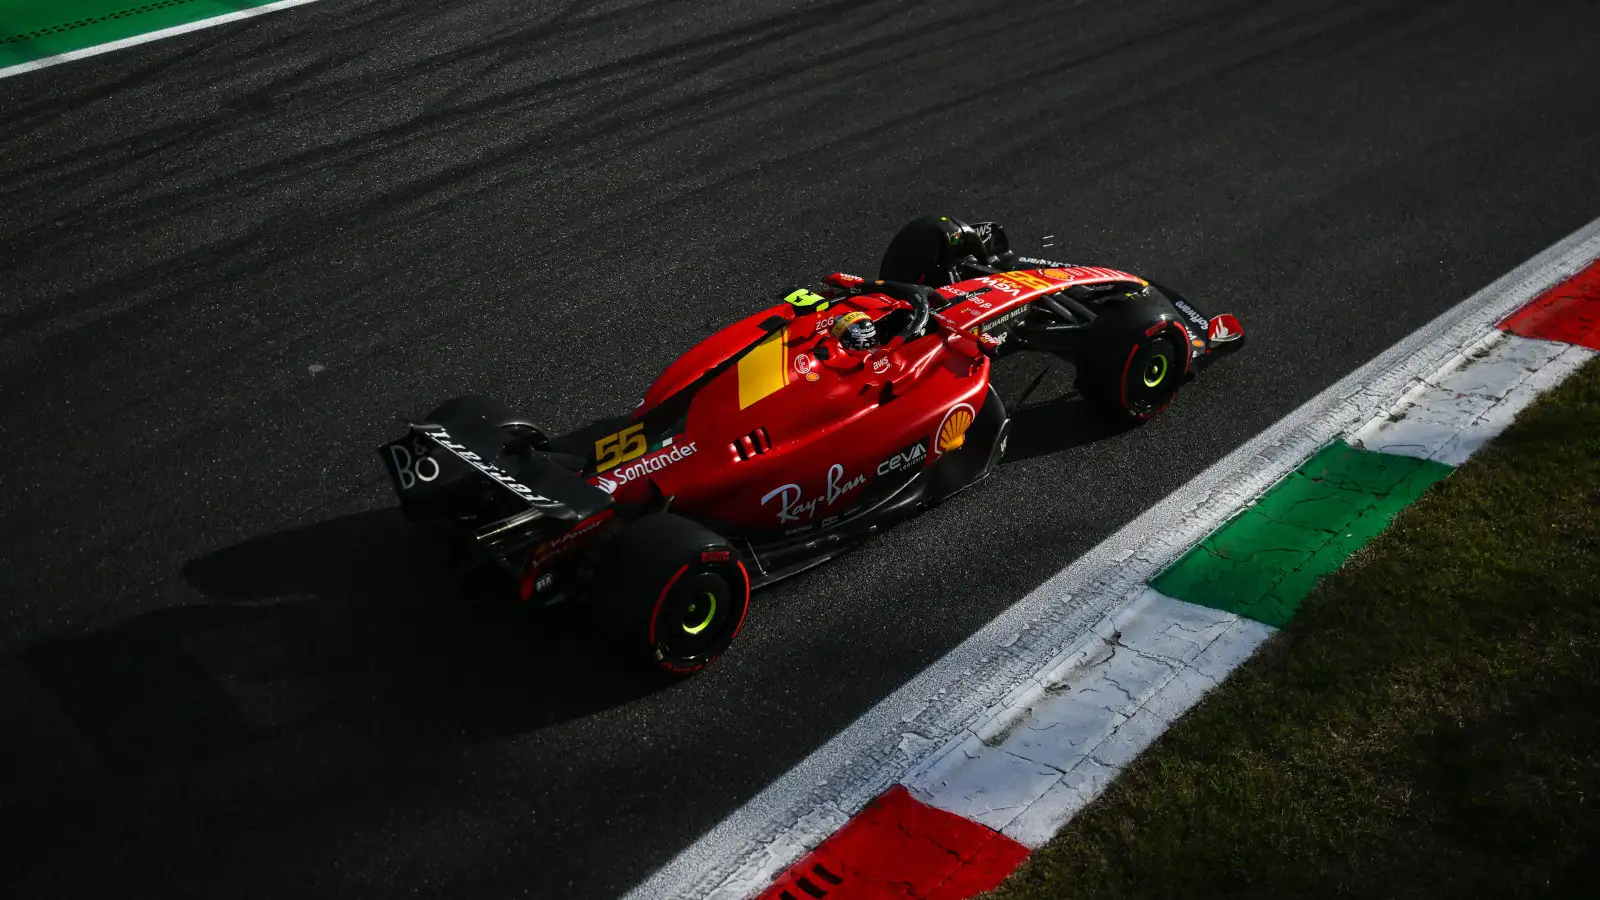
x,y
232,260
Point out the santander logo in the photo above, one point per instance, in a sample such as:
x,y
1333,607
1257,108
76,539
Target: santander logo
x,y
647,465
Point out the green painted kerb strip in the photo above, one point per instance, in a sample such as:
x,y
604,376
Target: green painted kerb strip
x,y
1264,561
35,29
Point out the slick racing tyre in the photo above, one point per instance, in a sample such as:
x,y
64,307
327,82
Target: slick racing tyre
x,y
925,251
1134,360
671,592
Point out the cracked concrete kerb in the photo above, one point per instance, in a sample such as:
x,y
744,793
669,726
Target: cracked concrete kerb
x,y
1025,723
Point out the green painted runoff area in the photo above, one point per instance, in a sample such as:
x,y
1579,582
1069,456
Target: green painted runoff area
x,y
35,29
1265,561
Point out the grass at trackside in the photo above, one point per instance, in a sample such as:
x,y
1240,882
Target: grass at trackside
x,y
1428,725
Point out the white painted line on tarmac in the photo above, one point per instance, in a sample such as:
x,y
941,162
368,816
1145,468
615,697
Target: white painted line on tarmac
x,y
147,37
1065,620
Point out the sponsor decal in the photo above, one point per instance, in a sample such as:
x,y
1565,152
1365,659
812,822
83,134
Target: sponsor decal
x,y
812,376
991,341
413,465
1192,313
1030,281
1225,328
1002,285
995,323
1150,332
1083,273
953,430
791,507
651,464
880,366
802,364
715,556
825,323
984,230
1199,344
957,295
909,458
1035,261
488,468
555,547
544,582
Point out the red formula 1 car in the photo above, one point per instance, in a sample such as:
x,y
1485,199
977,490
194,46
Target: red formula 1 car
x,y
791,435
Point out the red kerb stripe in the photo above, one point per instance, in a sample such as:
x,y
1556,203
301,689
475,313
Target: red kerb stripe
x,y
899,847
1568,312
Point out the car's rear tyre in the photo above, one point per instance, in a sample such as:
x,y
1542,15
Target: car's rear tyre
x,y
671,592
1134,360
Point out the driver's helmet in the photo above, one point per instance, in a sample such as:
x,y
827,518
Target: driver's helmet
x,y
856,331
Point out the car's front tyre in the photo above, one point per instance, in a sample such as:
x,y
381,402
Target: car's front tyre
x,y
1134,360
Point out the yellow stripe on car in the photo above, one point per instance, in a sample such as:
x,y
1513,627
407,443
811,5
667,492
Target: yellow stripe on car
x,y
763,370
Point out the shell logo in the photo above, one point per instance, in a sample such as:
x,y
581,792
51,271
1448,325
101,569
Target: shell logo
x,y
953,430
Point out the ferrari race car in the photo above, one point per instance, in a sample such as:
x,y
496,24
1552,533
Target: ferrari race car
x,y
791,435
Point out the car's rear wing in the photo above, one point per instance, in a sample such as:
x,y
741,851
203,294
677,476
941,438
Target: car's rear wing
x,y
453,473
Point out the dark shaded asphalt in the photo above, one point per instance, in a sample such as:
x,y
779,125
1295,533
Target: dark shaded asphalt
x,y
230,261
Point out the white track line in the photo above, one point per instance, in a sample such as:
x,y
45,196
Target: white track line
x,y
69,56
1017,652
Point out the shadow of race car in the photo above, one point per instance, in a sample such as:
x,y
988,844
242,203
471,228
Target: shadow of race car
x,y
791,435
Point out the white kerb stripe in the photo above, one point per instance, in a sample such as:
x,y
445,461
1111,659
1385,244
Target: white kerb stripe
x,y
1472,398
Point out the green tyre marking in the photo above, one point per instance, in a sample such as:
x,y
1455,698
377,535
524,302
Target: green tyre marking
x,y
1265,561
1157,372
711,613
